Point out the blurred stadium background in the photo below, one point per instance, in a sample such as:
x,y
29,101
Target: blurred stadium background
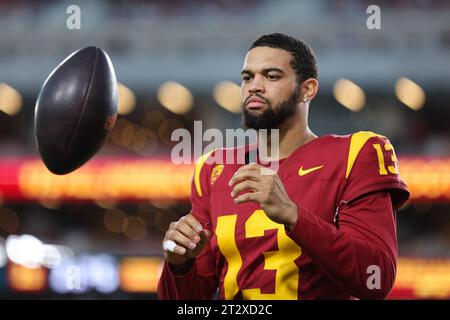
x,y
96,233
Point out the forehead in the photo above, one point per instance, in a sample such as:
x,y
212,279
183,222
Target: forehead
x,y
266,57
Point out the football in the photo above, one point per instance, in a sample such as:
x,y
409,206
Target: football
x,y
76,110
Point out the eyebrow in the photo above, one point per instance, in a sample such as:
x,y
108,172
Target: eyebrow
x,y
264,71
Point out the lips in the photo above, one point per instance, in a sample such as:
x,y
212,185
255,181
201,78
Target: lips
x,y
255,104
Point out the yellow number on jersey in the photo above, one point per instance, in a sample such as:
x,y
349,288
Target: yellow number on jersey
x,y
382,166
281,260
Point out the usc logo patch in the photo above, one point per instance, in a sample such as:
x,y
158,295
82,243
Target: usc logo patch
x,y
216,172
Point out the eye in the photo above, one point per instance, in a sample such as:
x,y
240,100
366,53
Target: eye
x,y
246,77
272,77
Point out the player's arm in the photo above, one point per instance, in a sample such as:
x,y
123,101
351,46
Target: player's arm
x,y
359,251
189,266
364,236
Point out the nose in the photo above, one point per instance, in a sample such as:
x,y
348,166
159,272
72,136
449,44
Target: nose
x,y
256,85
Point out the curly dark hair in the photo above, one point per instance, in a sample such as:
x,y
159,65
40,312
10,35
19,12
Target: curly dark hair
x,y
304,61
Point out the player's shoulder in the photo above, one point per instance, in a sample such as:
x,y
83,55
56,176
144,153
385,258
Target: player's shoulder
x,y
224,156
361,146
203,167
345,151
356,138
372,165
333,145
353,142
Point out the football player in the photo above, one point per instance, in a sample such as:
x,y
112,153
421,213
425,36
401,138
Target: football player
x,y
321,227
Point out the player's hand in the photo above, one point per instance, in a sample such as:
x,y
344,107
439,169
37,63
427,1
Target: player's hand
x,y
258,184
184,240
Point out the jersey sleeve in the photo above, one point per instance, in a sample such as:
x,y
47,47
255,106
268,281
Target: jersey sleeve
x,y
373,166
365,238
200,282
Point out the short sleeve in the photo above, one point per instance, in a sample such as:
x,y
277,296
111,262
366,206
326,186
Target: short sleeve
x,y
373,166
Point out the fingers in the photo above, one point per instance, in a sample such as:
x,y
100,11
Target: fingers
x,y
205,236
244,185
250,197
190,220
171,246
182,235
181,239
247,172
185,229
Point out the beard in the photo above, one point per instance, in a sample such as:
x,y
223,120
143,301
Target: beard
x,y
272,117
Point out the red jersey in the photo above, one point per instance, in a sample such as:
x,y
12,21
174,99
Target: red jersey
x,y
346,189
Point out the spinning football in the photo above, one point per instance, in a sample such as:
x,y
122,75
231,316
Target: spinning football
x,y
76,110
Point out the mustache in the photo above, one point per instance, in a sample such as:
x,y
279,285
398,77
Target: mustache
x,y
259,96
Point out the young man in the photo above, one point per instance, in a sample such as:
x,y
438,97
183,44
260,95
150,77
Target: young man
x,y
322,227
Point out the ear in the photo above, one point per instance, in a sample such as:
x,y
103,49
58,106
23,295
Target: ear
x,y
309,89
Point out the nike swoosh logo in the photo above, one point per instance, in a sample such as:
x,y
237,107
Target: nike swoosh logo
x,y
302,172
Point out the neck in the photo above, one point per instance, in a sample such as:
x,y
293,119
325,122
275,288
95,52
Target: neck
x,y
292,134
